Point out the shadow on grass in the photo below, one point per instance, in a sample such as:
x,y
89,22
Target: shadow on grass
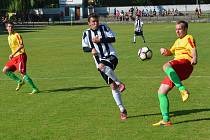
x,y
22,29
72,89
194,120
177,113
151,42
185,112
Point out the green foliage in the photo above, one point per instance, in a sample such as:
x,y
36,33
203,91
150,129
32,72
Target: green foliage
x,y
23,6
76,104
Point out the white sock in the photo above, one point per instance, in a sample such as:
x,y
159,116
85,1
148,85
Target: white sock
x,y
117,97
110,73
134,38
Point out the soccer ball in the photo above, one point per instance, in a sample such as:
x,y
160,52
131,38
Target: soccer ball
x,y
145,53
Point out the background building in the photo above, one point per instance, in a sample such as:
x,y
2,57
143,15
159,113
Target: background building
x,y
73,9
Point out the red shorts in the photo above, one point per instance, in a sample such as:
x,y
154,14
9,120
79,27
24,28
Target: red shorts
x,y
183,69
18,63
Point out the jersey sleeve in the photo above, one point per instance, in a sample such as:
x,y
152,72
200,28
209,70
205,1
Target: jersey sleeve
x,y
19,39
108,32
135,25
142,23
85,42
191,42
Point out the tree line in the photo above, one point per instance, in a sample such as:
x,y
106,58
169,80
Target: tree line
x,y
25,5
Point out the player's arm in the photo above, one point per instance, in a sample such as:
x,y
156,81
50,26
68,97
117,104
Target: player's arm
x,y
107,40
107,37
18,49
192,44
165,52
100,39
194,56
135,26
86,47
168,52
85,44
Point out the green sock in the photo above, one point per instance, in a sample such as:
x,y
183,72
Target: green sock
x,y
170,72
29,81
164,106
13,76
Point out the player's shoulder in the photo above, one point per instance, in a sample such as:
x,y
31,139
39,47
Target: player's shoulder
x,y
105,27
16,34
86,30
189,36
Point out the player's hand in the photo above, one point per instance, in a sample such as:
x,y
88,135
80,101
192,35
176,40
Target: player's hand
x,y
162,51
94,52
194,61
96,39
11,56
165,52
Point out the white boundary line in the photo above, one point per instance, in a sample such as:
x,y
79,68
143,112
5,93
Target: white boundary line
x,y
92,77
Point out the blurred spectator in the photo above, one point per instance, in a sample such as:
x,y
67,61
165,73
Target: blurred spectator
x,y
147,13
126,16
61,16
176,12
150,13
138,13
197,12
118,14
132,11
154,12
143,13
115,12
122,14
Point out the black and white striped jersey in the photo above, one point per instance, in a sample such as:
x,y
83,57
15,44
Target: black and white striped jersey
x,y
138,25
105,49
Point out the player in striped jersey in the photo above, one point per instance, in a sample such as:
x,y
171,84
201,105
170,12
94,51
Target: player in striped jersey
x,y
98,40
18,59
138,29
178,69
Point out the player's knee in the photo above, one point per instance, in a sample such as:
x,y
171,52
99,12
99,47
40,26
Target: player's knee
x,y
163,89
4,70
101,67
113,86
165,66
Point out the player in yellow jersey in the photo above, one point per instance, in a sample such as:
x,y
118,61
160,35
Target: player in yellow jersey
x,y
17,60
178,69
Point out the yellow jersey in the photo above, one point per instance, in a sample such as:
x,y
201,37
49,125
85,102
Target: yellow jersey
x,y
182,48
15,40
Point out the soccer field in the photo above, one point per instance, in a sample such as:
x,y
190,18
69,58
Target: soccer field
x,y
76,104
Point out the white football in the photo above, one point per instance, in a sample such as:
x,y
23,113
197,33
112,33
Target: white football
x,y
145,53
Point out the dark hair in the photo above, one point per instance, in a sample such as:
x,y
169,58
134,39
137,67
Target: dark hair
x,y
93,15
184,23
9,22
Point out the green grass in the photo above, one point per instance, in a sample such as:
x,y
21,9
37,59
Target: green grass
x,y
76,104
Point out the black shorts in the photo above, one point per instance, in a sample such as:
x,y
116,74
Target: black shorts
x,y
111,62
139,33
